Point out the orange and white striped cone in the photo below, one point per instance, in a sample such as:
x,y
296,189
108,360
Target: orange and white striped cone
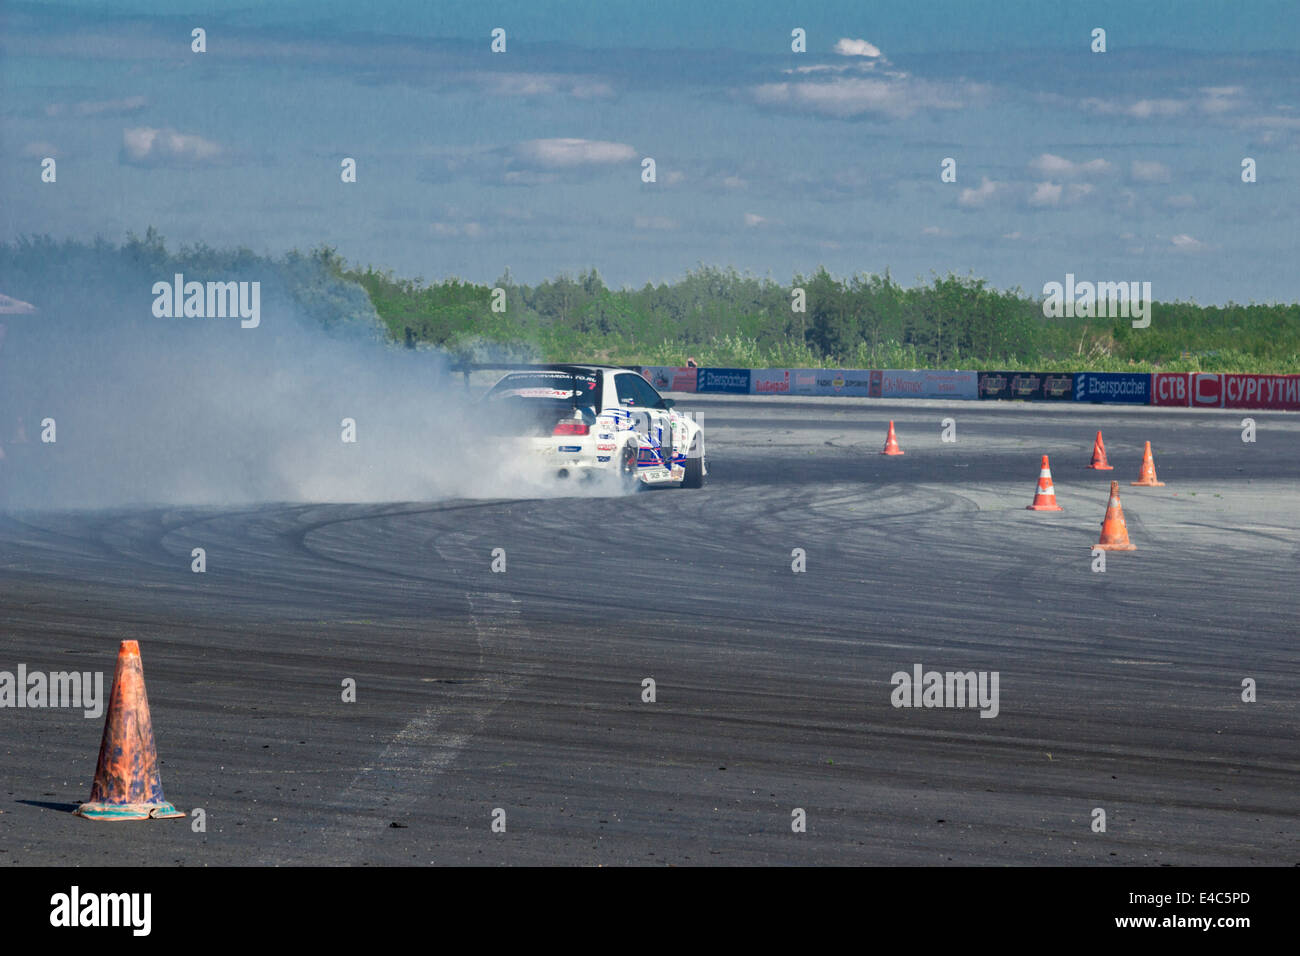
x,y
1114,532
1148,477
1045,496
891,443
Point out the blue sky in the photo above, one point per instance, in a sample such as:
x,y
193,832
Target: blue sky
x,y
1117,166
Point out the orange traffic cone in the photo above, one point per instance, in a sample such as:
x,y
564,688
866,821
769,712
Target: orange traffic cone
x,y
127,783
1148,477
1045,497
1099,461
891,443
1114,532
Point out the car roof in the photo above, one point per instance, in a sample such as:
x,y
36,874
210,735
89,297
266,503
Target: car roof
x,y
564,367
590,368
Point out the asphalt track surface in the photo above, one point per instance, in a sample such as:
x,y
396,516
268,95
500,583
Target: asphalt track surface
x,y
522,690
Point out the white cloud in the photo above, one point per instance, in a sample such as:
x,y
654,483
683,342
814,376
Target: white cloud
x,y
146,146
935,231
734,182
849,47
1011,235
1181,201
453,230
987,190
544,84
130,104
843,97
1046,194
1186,243
674,177
1056,194
1149,171
752,220
571,153
1049,164
1278,122
12,306
819,68
1140,109
1221,99
40,150
1145,109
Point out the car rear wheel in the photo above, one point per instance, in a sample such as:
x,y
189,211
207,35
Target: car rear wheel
x,y
627,468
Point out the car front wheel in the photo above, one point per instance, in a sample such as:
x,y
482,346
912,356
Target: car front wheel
x,y
696,475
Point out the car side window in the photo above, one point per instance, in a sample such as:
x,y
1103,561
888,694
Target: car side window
x,y
635,391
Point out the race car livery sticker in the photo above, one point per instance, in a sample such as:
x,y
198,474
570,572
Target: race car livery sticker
x,y
619,421
537,393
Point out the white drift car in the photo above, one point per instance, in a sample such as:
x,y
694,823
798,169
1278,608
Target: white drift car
x,y
587,420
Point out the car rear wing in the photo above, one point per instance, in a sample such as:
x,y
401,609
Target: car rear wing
x,y
465,368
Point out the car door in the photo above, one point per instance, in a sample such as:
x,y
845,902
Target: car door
x,y
650,418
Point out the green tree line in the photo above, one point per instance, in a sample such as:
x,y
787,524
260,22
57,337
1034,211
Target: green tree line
x,y
717,316
724,318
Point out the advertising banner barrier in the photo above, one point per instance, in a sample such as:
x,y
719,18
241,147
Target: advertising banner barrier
x,y
730,380
1204,390
855,383
783,381
1169,388
896,383
1261,391
1127,388
1229,390
1182,389
669,379
1027,386
864,383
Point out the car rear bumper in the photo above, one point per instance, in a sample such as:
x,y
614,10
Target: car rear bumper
x,y
573,456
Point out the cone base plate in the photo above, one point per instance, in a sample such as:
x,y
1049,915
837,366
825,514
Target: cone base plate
x,y
128,811
1043,508
1147,484
1102,467
893,453
1115,547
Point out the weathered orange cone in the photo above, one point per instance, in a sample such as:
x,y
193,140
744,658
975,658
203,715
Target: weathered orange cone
x,y
127,783
891,443
1099,461
1148,477
1045,496
1114,532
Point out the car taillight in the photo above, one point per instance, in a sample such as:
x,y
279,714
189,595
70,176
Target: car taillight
x,y
571,428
